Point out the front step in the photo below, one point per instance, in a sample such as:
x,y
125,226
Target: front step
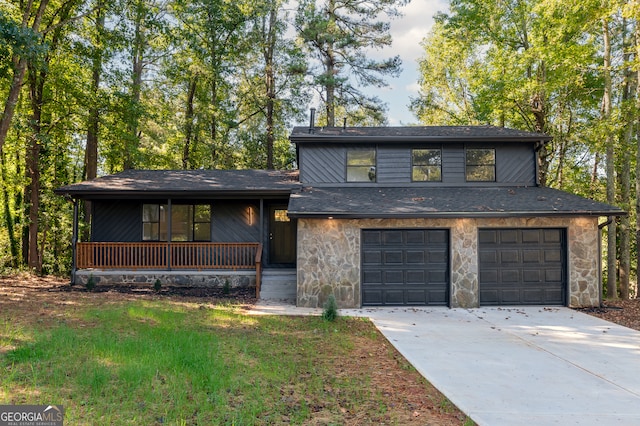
x,y
278,284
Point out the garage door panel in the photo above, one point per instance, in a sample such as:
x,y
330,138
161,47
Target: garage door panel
x,y
415,257
510,276
391,237
416,237
371,257
405,266
528,266
509,256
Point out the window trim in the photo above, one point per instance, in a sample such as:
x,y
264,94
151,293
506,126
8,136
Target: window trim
x,y
467,165
414,165
373,167
163,231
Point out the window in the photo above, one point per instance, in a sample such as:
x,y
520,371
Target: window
x,y
280,215
426,165
189,222
481,165
361,165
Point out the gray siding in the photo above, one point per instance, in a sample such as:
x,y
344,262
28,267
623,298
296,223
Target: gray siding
x,y
394,165
515,163
322,164
116,221
235,221
325,164
120,221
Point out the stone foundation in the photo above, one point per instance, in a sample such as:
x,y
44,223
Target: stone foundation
x,y
236,279
329,257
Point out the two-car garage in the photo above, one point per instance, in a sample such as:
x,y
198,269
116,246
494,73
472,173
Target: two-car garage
x,y
517,266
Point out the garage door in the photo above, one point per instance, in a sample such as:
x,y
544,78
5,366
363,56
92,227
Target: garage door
x,y
522,266
405,267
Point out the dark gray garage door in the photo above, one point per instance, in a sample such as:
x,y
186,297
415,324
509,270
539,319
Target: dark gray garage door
x,y
405,267
522,266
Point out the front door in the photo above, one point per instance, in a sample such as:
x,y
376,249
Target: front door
x,y
282,236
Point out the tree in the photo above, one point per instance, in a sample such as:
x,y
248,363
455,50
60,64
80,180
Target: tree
x,y
338,34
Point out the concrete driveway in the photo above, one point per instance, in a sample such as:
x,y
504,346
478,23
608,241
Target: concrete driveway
x,y
521,366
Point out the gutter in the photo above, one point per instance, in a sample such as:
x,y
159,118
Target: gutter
x,y
449,215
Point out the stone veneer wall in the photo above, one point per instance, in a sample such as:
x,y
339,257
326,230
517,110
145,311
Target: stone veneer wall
x,y
168,278
329,256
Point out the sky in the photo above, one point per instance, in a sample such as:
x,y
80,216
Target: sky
x,y
407,32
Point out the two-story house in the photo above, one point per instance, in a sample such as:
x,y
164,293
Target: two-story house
x,y
449,216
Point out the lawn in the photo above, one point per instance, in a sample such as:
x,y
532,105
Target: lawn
x,y
169,360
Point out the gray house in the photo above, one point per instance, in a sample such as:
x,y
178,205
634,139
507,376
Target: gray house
x,y
450,216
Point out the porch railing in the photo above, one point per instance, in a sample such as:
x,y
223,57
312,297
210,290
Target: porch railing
x,y
168,256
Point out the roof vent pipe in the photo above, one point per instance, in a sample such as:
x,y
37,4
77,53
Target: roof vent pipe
x,y
312,121
344,124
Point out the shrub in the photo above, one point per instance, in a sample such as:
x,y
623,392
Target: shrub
x,y
91,283
330,312
226,288
157,285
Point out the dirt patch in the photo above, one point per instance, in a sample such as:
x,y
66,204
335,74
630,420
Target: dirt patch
x,y
47,301
623,312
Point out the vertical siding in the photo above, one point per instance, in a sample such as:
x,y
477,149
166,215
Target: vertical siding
x,y
116,221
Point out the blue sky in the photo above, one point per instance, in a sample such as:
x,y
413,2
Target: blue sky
x,y
408,32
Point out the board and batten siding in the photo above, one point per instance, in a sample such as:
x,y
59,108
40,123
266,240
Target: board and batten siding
x,y
325,164
235,221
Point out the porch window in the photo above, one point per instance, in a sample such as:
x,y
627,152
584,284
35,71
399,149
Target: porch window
x,y
361,165
481,165
189,222
426,165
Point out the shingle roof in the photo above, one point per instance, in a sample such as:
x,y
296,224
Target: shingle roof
x,y
185,183
415,134
369,202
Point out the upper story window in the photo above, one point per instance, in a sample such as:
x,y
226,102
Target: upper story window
x,y
426,165
481,165
189,222
361,165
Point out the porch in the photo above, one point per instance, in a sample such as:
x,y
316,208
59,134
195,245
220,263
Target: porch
x,y
200,263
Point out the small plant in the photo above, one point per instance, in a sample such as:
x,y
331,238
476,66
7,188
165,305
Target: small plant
x,y
91,283
157,285
226,288
330,312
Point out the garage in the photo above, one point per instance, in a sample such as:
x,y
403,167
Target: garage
x,y
405,267
522,266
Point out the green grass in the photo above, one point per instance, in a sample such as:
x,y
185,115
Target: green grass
x,y
160,363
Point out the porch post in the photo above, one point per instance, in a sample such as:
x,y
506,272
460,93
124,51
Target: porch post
x,y
169,236
74,241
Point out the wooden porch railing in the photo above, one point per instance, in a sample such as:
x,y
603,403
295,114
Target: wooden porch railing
x,y
167,256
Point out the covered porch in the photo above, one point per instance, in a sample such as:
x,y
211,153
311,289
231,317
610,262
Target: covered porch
x,y
194,228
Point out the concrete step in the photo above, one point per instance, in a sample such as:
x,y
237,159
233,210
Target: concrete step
x,y
278,285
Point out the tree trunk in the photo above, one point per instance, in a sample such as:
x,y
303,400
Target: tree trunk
x,y
188,131
8,216
612,291
270,82
19,70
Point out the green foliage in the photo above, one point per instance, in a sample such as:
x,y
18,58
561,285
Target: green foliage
x,y
226,288
91,283
157,285
330,309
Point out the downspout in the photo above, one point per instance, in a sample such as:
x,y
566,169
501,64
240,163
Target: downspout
x,y
600,228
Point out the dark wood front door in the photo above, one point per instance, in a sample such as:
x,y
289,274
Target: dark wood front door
x,y
282,236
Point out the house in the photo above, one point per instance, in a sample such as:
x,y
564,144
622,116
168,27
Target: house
x,y
450,216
